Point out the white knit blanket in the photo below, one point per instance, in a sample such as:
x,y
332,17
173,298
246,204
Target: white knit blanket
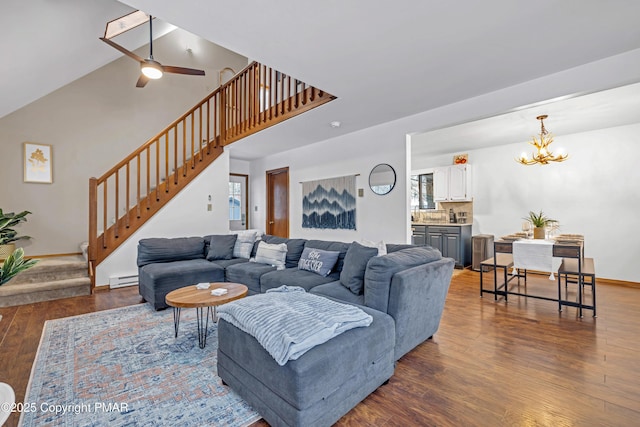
x,y
535,255
288,322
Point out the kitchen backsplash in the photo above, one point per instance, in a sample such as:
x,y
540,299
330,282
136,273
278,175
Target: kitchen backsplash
x,y
463,213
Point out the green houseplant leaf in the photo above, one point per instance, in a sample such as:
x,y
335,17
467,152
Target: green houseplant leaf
x,y
538,219
14,264
7,222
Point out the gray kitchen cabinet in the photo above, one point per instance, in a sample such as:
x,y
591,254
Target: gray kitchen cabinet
x,y
453,241
419,235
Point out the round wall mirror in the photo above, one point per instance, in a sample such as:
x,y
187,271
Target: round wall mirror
x,y
382,179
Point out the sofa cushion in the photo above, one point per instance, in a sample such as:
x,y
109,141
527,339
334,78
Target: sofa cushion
x,y
244,244
395,247
380,270
221,246
338,291
159,249
318,261
355,264
156,280
271,254
382,248
292,277
294,248
248,273
331,246
224,263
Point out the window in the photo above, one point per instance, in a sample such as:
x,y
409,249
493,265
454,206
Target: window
x,y
422,191
235,197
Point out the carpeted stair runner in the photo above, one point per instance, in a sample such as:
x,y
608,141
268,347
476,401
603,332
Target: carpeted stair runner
x,y
49,279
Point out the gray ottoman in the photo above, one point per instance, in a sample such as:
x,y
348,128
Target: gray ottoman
x,y
321,386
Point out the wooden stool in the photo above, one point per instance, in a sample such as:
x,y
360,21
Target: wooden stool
x,y
576,272
504,261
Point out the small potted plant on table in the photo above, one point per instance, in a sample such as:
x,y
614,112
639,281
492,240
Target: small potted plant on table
x,y
539,221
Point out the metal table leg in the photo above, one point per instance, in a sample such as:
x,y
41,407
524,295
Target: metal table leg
x,y
176,320
203,324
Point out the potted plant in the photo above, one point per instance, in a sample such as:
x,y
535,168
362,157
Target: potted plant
x,y
7,234
14,264
539,221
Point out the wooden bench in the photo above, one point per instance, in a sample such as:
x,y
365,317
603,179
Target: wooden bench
x,y
504,261
574,272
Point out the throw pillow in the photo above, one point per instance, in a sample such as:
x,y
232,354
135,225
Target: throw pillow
x,y
382,248
274,255
355,265
244,244
221,246
318,261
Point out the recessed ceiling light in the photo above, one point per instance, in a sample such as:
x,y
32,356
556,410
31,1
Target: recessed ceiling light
x,y
335,124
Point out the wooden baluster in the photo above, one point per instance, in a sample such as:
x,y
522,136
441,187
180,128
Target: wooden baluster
x,y
166,162
271,90
176,169
104,215
288,93
148,188
193,151
117,219
297,100
200,133
126,198
157,144
185,160
138,213
208,126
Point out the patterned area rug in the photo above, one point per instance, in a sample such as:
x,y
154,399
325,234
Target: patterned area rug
x,y
123,367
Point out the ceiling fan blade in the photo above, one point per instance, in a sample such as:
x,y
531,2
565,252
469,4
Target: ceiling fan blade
x,y
142,81
182,70
121,49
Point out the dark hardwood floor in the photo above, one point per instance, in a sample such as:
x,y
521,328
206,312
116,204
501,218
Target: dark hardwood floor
x,y
490,364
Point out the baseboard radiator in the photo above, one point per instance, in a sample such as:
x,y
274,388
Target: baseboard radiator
x,y
122,281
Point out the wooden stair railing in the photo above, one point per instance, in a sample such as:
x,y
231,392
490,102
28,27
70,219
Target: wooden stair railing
x,y
131,192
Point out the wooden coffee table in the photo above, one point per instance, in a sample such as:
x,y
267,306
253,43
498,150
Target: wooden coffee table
x,y
191,297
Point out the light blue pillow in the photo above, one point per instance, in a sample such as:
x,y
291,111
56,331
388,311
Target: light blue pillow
x,y
318,261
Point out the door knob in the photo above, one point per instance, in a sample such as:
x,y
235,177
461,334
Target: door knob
x,y
271,222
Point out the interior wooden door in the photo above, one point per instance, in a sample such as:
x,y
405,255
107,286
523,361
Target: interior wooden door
x,y
278,202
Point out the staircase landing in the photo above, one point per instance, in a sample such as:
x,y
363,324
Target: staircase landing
x,y
49,279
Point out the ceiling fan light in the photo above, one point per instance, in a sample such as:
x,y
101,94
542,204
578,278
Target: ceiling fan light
x,y
151,69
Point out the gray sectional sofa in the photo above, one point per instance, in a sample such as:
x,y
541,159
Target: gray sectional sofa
x,y
404,290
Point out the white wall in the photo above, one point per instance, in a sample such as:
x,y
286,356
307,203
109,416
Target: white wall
x,y
186,215
377,217
595,192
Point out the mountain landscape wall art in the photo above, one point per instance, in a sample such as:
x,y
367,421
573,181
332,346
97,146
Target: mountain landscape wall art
x,y
329,203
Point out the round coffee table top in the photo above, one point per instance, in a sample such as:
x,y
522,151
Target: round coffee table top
x,y
191,297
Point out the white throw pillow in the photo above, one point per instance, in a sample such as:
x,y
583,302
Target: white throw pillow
x,y
382,248
244,244
272,254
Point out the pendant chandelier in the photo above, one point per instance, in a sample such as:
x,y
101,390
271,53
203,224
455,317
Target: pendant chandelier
x,y
543,155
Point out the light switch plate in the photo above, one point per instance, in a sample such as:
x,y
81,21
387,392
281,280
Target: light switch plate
x,y
360,192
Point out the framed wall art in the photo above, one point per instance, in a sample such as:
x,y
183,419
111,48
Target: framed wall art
x,y
38,163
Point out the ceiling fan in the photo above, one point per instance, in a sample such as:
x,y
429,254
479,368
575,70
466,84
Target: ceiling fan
x,y
150,68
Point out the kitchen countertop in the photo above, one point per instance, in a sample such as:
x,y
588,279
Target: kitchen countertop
x,y
441,224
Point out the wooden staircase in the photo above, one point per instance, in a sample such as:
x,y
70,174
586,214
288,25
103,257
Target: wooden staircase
x,y
130,193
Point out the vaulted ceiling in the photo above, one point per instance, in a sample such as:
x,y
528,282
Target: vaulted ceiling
x,y
382,60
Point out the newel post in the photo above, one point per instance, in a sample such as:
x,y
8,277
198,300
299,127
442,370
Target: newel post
x,y
93,229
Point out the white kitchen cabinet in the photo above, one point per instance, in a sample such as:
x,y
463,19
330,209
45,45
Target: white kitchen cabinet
x,y
452,183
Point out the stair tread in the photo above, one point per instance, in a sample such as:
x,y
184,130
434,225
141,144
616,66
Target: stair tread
x,y
11,288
